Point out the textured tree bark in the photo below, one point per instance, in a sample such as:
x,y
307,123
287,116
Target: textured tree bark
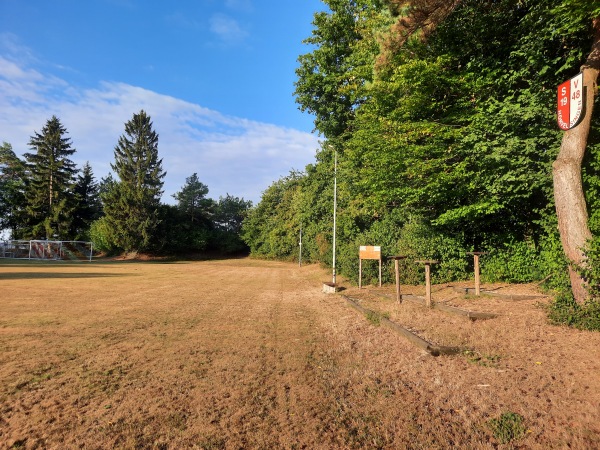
x,y
568,188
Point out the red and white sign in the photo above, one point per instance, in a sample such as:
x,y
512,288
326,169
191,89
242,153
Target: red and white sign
x,y
571,102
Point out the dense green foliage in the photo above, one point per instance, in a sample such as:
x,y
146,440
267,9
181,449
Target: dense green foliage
x,y
445,145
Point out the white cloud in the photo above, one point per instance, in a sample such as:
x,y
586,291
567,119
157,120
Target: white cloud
x,y
230,154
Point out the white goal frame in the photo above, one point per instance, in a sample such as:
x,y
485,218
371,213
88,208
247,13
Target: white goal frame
x,y
47,250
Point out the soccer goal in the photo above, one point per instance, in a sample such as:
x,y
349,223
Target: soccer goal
x,y
47,250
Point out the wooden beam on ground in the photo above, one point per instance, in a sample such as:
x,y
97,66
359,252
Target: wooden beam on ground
x,y
513,297
432,349
473,315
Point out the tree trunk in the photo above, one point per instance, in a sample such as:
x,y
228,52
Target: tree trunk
x,y
568,189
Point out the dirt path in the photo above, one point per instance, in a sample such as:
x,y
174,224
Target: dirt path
x,y
250,354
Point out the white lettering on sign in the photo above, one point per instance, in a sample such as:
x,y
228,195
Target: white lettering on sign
x,y
571,106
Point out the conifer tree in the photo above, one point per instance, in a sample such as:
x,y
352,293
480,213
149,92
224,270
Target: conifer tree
x,y
131,203
12,190
88,207
192,201
50,182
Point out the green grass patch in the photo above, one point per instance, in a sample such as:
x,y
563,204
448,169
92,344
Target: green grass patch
x,y
375,317
508,427
482,360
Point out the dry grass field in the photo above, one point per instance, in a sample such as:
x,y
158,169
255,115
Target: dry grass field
x,y
247,354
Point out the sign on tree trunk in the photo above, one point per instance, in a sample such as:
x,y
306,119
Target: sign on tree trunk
x,y
571,104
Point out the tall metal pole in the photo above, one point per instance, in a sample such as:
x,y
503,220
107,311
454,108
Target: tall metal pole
x,y
300,252
334,209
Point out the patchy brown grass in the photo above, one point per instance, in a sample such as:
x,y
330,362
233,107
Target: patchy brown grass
x,y
251,354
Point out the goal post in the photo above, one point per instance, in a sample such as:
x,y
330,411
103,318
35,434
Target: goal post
x,y
47,250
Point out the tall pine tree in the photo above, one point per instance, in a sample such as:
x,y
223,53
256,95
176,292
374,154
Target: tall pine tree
x,y
131,204
48,194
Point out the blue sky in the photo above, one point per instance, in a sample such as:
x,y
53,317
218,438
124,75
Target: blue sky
x,y
215,76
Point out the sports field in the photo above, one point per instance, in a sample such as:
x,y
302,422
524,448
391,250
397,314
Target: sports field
x,y
251,354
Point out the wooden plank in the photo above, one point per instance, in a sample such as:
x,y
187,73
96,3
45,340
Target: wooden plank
x,y
369,252
473,315
512,297
432,349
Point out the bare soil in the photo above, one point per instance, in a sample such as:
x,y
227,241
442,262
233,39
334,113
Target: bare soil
x,y
251,354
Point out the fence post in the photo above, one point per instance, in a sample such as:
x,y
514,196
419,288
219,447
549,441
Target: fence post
x,y
397,271
427,263
476,268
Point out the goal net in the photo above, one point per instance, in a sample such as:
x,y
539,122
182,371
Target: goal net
x,y
47,250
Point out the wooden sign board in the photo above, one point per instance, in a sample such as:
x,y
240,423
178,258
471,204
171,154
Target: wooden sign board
x,y
368,252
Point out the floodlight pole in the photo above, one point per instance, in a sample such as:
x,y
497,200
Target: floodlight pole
x,y
334,208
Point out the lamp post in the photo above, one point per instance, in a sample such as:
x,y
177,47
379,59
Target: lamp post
x,y
334,208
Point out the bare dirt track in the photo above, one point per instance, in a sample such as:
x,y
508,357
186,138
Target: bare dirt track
x,y
250,354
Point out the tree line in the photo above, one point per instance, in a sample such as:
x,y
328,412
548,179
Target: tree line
x,y
442,116
45,196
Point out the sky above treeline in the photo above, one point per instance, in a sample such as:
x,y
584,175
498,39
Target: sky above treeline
x,y
216,77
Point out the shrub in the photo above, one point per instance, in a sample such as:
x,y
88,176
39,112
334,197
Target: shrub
x,y
102,236
421,241
517,262
564,310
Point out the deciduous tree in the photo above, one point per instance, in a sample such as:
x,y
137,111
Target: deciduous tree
x,y
570,201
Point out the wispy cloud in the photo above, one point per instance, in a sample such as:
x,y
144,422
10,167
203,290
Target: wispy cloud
x,y
181,20
227,29
11,46
230,154
239,5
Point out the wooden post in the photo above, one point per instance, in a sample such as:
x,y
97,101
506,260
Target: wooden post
x,y
397,270
360,273
428,285
427,264
476,267
476,264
